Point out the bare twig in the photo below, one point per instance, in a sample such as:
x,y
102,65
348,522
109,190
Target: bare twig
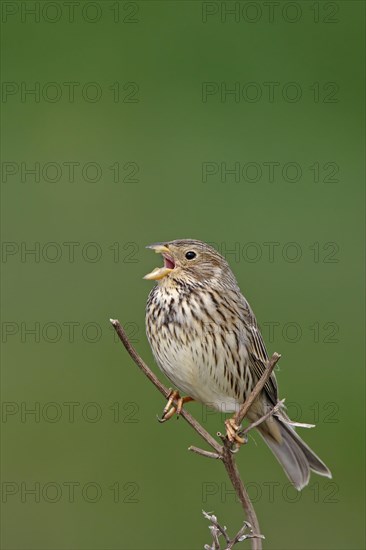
x,y
222,452
213,519
243,411
217,530
201,452
234,475
263,418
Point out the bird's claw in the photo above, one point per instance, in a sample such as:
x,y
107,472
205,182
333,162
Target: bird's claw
x,y
232,433
171,408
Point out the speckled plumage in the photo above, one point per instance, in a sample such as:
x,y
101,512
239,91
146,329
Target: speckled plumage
x,y
206,340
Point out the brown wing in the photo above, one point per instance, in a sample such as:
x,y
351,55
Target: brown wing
x,y
257,352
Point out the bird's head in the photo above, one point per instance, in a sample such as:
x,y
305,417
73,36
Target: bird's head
x,y
189,260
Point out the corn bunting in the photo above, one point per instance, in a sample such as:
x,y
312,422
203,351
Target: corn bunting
x,y
205,338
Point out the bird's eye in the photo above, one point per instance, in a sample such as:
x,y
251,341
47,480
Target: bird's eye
x,y
190,255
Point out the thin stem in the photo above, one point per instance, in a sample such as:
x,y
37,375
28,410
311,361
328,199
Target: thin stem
x,y
243,411
201,452
214,522
263,418
216,529
234,475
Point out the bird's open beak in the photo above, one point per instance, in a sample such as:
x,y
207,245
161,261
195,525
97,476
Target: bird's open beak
x,y
169,264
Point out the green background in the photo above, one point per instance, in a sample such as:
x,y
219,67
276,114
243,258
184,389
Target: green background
x,y
169,131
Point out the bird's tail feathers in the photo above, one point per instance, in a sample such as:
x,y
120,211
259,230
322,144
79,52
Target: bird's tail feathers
x,y
296,458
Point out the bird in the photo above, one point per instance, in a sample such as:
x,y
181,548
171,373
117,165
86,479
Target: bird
x,y
205,338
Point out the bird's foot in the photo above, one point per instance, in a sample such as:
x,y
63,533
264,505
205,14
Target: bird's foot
x,y
174,405
232,433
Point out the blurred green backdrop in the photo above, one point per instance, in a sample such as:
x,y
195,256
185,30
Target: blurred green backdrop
x,y
121,123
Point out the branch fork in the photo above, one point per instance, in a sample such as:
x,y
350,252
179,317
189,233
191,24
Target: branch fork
x,y
217,530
